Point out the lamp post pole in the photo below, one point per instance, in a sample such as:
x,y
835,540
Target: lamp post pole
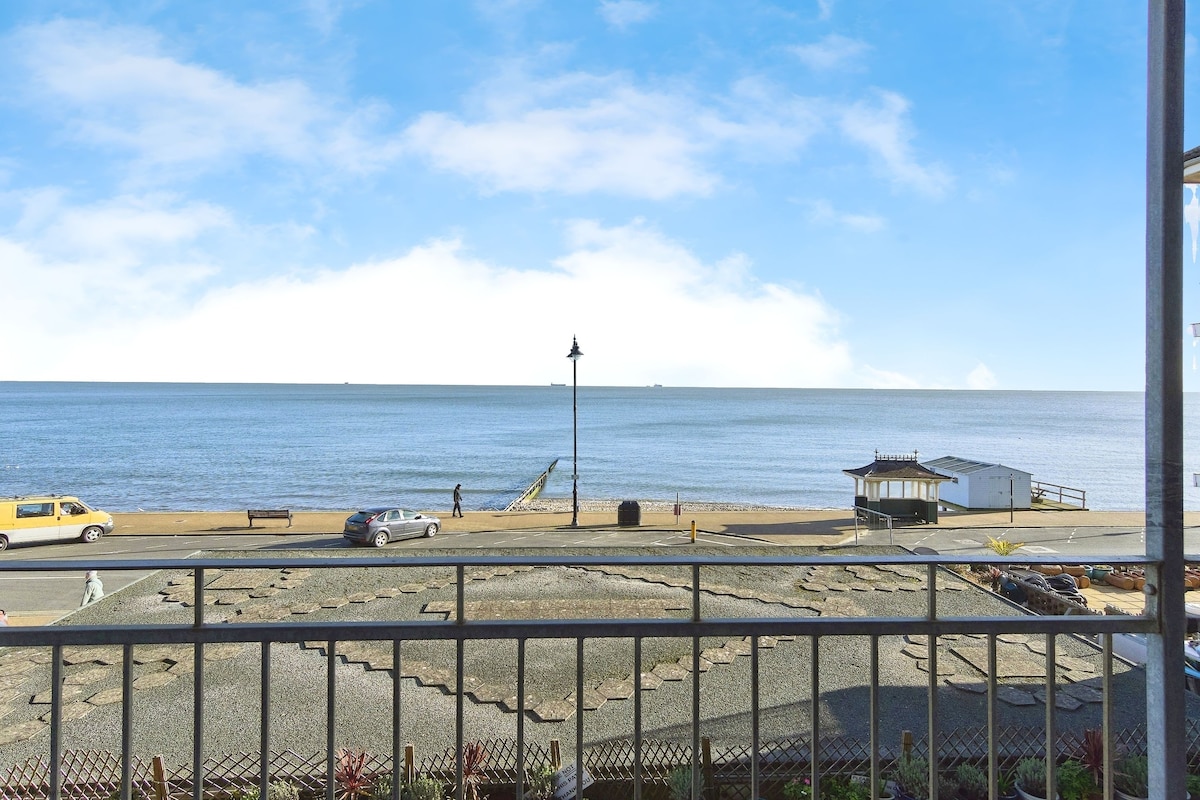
x,y
1010,498
574,356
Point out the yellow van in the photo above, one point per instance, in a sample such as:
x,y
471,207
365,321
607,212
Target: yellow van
x,y
52,518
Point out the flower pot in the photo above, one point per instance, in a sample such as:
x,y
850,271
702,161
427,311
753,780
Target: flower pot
x,y
1024,795
1099,572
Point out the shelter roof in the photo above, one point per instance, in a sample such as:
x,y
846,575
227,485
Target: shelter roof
x,y
895,468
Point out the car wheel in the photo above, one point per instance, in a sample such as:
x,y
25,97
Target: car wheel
x,y
90,534
381,538
3,542
430,529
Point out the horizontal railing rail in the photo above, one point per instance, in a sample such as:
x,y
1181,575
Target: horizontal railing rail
x,y
458,628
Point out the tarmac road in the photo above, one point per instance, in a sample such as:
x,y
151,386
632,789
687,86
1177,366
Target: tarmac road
x,y
1086,542
37,598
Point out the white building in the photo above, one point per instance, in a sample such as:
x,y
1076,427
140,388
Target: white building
x,y
976,485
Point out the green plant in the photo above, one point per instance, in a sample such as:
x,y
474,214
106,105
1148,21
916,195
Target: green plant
x,y
1193,785
1030,773
422,787
539,782
1003,547
797,789
912,773
972,783
283,790
1075,781
381,789
1132,776
351,775
679,783
838,788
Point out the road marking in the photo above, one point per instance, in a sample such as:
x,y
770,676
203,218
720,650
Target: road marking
x,y
1037,548
38,578
969,542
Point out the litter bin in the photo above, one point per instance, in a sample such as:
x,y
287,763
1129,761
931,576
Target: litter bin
x,y
629,514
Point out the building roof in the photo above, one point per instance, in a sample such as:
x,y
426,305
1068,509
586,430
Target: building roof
x,y
895,468
965,466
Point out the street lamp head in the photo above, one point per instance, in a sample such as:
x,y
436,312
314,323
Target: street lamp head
x,y
575,351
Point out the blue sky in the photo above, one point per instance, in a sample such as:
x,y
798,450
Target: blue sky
x,y
818,193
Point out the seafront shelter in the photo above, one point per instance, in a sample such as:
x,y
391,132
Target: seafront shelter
x,y
976,485
898,486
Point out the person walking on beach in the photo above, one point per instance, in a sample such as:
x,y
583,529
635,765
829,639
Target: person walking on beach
x,y
457,512
3,619
93,589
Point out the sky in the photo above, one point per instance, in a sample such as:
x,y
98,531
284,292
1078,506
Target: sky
x,y
812,193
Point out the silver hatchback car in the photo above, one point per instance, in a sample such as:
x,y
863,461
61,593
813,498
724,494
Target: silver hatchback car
x,y
378,526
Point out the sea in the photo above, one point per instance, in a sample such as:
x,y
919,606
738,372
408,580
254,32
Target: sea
x,y
210,447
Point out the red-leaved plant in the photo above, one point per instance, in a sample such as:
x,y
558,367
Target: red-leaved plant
x,y
474,757
350,773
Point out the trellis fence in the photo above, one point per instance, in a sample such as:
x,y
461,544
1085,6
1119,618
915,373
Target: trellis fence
x,y
96,775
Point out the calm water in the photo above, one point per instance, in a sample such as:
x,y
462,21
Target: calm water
x,y
236,446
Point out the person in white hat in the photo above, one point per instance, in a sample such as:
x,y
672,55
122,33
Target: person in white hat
x,y
93,589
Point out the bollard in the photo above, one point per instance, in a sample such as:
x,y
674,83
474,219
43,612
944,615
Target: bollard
x,y
693,531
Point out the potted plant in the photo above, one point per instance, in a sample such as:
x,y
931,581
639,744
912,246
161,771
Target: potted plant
x,y
1131,778
1075,781
912,777
1030,779
972,783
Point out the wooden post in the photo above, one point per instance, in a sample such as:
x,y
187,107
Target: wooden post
x,y
161,790
410,766
555,755
906,743
706,766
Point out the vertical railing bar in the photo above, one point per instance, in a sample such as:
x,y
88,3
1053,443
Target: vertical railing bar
x,y
695,685
127,723
814,747
637,718
695,712
330,715
397,719
579,771
56,678
264,744
1051,699
1106,714
460,594
521,719
754,719
931,646
460,618
874,714
198,687
992,722
459,723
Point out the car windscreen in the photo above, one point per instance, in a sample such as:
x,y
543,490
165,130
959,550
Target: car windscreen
x,y
360,516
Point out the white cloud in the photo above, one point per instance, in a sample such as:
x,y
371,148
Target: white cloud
x,y
832,52
884,129
824,9
623,13
644,308
116,87
581,133
821,212
981,378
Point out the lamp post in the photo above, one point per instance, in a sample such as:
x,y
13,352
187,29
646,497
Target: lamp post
x,y
574,356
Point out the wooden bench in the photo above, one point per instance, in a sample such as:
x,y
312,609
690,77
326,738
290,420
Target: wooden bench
x,y
269,513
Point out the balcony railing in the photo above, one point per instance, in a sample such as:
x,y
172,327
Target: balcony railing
x,y
694,580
